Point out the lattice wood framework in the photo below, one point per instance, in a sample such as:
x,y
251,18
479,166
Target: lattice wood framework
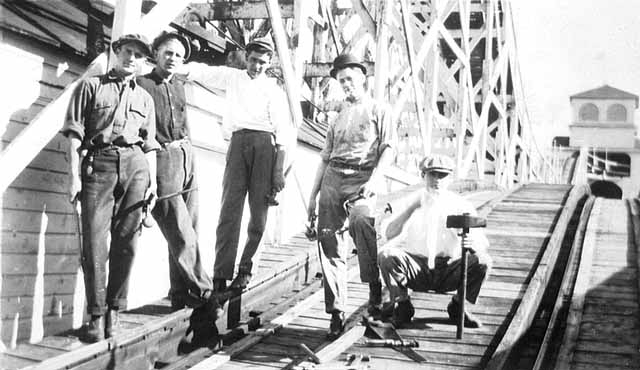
x,y
448,67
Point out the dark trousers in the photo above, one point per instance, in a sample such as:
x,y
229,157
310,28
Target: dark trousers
x,y
177,218
248,171
337,186
112,195
402,270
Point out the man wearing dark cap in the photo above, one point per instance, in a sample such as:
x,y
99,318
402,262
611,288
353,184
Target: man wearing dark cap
x,y
430,257
259,122
110,126
177,216
358,148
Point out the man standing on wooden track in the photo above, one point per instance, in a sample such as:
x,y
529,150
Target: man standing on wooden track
x,y
258,118
358,148
177,216
111,119
430,257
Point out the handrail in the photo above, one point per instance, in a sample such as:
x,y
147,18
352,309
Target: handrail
x,y
33,138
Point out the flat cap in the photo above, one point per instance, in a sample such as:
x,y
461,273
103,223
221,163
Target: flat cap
x,y
164,36
343,61
437,163
136,38
261,43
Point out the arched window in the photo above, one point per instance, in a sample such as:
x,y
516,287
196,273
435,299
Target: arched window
x,y
617,112
589,112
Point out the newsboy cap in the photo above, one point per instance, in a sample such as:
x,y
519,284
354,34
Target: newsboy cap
x,y
164,36
261,43
136,38
437,163
343,61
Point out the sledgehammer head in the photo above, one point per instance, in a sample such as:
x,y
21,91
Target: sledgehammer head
x,y
465,222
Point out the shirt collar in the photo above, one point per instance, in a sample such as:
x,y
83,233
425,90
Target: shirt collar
x,y
111,77
155,76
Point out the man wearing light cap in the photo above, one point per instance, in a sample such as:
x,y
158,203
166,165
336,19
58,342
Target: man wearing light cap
x,y
358,148
430,257
110,124
258,119
177,216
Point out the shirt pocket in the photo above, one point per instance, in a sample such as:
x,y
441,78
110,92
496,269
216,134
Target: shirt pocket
x,y
101,112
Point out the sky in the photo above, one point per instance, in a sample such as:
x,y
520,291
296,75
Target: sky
x,y
570,46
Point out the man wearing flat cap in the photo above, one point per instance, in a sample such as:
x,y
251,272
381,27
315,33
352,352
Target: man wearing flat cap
x,y
358,148
177,216
259,121
429,259
110,125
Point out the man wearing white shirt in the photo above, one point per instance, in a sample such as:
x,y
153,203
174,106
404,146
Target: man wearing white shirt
x,y
430,257
257,117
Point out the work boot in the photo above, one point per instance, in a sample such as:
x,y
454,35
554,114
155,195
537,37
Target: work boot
x,y
241,281
202,326
470,321
94,331
387,310
337,325
211,299
403,313
375,299
112,323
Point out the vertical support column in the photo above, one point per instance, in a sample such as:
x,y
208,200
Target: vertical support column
x,y
464,103
382,50
126,19
432,70
282,45
486,83
417,90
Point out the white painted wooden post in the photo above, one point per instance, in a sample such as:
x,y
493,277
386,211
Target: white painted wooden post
x,y
126,20
382,51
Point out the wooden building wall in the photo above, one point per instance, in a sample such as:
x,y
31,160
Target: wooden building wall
x,y
42,291
39,234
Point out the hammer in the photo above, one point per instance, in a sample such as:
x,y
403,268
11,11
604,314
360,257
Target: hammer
x,y
465,222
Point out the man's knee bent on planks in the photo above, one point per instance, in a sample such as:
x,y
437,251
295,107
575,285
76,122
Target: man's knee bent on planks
x,y
429,260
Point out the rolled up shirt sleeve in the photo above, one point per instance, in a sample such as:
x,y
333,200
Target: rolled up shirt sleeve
x,y
325,154
78,110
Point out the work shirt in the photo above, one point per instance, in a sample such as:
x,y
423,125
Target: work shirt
x,y
107,110
255,104
170,106
426,230
359,134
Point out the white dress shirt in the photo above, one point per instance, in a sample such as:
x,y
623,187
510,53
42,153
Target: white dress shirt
x,y
255,104
426,230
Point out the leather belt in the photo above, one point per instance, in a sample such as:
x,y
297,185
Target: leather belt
x,y
344,166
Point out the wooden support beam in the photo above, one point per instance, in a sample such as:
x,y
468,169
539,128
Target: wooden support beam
x,y
417,88
282,45
230,10
382,51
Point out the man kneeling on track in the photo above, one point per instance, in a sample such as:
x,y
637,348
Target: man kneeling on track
x,y
430,258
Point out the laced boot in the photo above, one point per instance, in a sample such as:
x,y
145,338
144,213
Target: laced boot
x,y
403,313
337,325
94,331
112,323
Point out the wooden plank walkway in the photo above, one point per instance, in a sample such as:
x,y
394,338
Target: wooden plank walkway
x,y
518,244
603,326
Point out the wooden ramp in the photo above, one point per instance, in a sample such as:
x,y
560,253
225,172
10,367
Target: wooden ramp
x,y
603,325
525,230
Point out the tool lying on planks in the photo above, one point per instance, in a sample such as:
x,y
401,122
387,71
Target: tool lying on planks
x,y
465,222
389,337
